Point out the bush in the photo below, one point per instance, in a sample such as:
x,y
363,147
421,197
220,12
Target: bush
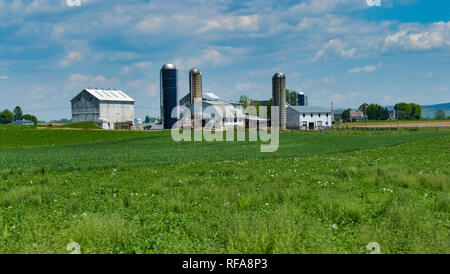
x,y
30,118
6,117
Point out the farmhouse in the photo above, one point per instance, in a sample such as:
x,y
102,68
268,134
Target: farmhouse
x,y
113,109
308,118
356,116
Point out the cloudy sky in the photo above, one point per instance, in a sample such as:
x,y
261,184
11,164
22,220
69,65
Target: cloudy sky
x,y
344,51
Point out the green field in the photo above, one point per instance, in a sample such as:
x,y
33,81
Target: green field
x,y
392,122
141,192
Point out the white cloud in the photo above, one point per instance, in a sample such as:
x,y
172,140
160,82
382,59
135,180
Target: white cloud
x,y
418,37
138,65
71,57
245,23
80,81
366,68
4,77
151,25
212,56
335,47
329,80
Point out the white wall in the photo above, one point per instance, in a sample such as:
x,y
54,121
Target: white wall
x,y
296,120
319,122
116,112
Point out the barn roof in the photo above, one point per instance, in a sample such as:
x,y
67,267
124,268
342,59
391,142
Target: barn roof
x,y
109,95
308,109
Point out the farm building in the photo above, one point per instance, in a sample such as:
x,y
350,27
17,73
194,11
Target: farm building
x,y
111,108
308,118
226,109
23,122
356,116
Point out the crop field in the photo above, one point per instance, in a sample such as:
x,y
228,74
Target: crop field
x,y
141,192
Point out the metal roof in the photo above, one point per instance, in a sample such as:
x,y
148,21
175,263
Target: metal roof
x,y
210,96
110,95
279,75
195,71
169,66
308,109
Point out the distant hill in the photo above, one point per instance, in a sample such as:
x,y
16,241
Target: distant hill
x,y
429,110
445,106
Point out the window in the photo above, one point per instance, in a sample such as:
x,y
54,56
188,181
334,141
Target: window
x,y
304,115
319,114
327,116
312,115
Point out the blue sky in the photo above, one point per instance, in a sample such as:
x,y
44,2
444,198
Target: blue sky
x,y
343,51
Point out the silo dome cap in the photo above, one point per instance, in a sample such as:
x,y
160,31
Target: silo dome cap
x,y
279,75
195,71
169,66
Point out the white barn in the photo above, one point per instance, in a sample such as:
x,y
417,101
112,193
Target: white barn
x,y
308,118
105,106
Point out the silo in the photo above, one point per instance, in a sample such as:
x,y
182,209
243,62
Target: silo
x,y
279,96
302,99
169,94
195,85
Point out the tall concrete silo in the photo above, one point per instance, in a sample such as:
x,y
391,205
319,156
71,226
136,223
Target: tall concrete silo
x,y
169,94
195,85
279,96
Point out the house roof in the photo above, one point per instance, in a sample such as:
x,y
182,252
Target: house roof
x,y
109,95
309,109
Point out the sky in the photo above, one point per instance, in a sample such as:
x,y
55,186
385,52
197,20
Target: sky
x,y
342,51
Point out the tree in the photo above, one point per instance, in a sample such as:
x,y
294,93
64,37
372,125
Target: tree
x,y
363,108
377,112
6,117
346,115
439,114
256,105
416,111
404,111
244,100
18,114
147,119
373,112
269,109
30,117
292,97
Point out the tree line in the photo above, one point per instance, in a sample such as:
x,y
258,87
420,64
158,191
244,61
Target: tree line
x,y
402,111
7,116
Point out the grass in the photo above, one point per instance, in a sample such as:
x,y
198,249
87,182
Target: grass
x,y
320,193
393,122
77,125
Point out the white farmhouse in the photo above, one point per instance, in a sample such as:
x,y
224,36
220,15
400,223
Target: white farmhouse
x,y
105,106
308,118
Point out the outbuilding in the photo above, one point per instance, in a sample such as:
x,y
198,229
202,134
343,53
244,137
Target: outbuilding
x,y
104,106
308,117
